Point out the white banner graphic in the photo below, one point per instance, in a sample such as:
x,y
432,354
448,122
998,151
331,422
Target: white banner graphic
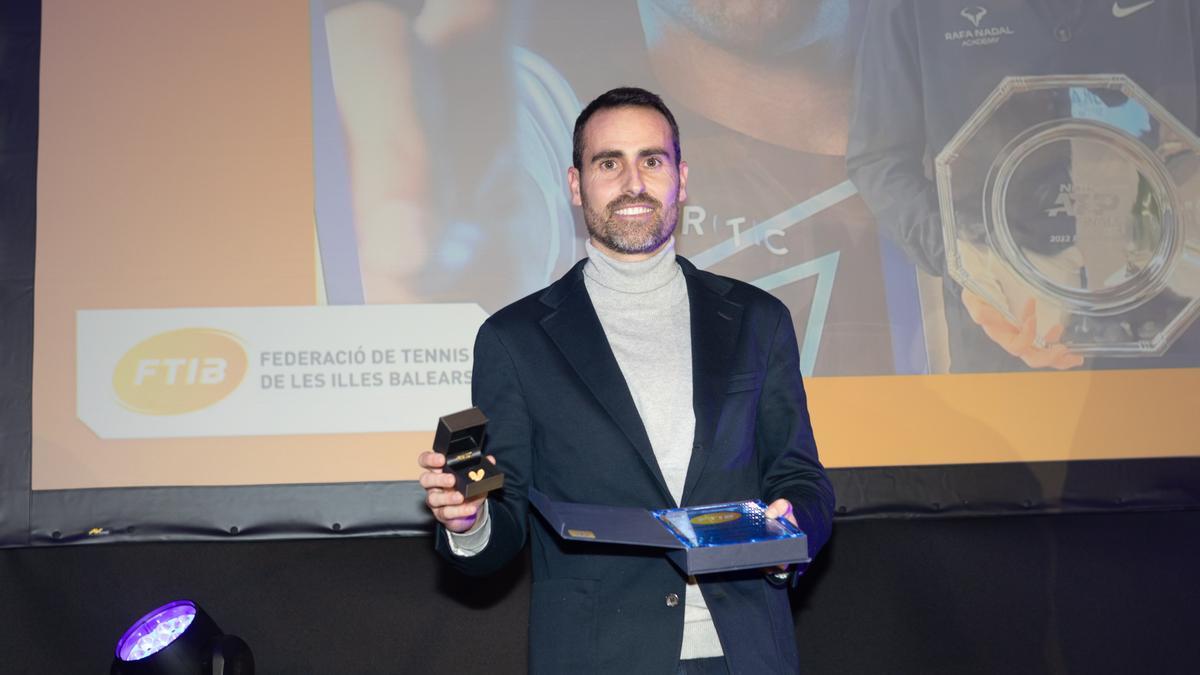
x,y
253,371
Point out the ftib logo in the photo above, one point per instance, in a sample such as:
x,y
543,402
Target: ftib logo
x,y
179,371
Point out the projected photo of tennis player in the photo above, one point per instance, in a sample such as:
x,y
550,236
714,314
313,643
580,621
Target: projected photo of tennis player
x,y
1038,160
443,134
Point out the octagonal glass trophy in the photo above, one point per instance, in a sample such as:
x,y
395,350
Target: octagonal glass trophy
x,y
1078,192
460,437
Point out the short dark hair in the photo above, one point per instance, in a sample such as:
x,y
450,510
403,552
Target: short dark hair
x,y
621,97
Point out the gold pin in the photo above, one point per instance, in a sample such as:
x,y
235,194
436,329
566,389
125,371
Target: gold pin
x,y
476,475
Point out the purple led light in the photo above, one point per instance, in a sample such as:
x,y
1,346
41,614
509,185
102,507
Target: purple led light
x,y
156,630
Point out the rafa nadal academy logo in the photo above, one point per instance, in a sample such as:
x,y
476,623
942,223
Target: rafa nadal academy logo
x,y
978,35
179,371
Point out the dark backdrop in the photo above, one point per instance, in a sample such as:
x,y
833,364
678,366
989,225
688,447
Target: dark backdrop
x,y
1102,593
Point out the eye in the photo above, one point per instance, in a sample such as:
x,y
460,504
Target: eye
x,y
608,164
654,162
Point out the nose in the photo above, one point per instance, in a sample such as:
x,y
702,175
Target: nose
x,y
634,185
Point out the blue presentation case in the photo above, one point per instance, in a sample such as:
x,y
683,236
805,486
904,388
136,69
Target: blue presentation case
x,y
727,537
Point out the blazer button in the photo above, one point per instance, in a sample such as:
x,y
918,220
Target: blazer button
x,y
672,599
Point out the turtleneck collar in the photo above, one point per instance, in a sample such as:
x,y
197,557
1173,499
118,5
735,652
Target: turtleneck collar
x,y
641,276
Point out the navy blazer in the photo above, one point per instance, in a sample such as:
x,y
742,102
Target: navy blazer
x,y
562,419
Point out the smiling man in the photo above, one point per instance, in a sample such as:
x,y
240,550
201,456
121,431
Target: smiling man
x,y
634,178
638,380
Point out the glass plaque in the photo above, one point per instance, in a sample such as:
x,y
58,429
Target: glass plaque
x,y
724,524
1078,192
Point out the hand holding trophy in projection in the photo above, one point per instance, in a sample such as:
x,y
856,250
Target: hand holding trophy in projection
x,y
460,437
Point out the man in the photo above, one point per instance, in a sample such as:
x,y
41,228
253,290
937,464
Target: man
x,y
638,380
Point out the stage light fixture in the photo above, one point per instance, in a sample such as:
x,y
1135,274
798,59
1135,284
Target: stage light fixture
x,y
180,638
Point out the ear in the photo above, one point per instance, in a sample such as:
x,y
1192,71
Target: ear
x,y
682,181
573,181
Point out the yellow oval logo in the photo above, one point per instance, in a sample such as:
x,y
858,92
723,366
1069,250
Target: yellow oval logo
x,y
715,518
179,371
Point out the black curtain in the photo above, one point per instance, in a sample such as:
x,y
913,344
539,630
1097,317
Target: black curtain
x,y
20,43
1086,593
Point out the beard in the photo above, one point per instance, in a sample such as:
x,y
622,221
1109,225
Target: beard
x,y
762,28
631,236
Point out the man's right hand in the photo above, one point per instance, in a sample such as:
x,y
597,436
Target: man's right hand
x,y
448,506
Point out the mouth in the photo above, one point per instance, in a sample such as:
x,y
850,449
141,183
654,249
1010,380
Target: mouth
x,y
634,210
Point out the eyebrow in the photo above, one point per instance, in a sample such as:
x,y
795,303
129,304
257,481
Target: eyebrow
x,y
617,154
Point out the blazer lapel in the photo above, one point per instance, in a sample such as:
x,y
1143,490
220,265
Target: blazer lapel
x,y
575,329
716,323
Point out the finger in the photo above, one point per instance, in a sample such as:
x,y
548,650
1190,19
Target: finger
x,y
973,303
1052,356
437,499
1028,310
1054,334
431,460
984,314
456,524
492,458
1007,337
1057,357
1002,334
1023,343
1037,357
459,525
1040,358
1067,360
432,479
994,324
460,511
781,508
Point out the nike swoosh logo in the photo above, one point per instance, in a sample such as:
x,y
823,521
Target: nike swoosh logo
x,y
1122,12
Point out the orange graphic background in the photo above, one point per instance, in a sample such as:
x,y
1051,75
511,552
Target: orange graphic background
x,y
176,171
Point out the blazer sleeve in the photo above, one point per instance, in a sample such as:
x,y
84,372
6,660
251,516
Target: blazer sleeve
x,y
496,389
787,450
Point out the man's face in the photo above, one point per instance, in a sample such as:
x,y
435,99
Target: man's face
x,y
630,187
